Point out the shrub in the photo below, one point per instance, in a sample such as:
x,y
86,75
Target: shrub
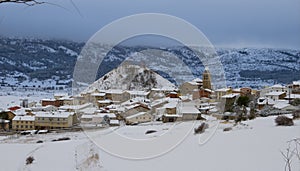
x,y
243,101
29,160
227,129
62,139
150,131
201,128
296,114
284,121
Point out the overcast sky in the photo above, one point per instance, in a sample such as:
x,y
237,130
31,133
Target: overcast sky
x,y
232,23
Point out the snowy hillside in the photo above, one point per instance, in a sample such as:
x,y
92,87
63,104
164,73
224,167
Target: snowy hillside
x,y
131,77
255,145
24,60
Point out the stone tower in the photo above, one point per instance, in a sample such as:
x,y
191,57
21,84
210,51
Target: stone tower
x,y
206,79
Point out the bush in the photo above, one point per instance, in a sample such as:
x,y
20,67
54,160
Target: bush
x,y
62,139
150,131
29,160
201,128
284,121
296,114
243,101
227,129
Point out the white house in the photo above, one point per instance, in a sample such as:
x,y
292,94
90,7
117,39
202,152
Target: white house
x,y
140,117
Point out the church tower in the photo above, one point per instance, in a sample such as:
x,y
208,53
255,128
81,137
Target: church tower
x,y
206,79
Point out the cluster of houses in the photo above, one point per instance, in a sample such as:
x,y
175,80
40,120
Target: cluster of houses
x,y
114,107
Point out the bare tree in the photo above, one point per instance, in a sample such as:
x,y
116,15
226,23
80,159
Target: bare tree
x,y
26,2
291,151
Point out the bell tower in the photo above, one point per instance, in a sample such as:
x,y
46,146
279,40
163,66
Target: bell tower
x,y
206,79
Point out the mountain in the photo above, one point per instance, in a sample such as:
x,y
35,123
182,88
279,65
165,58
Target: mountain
x,y
131,77
48,63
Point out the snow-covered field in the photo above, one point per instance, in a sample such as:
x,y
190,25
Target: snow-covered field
x,y
9,98
254,145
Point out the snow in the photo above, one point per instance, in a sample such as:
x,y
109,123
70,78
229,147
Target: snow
x,y
253,146
292,96
189,110
136,115
274,93
68,51
23,118
281,105
54,114
232,95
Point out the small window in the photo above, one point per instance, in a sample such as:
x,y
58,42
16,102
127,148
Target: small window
x,y
17,126
21,126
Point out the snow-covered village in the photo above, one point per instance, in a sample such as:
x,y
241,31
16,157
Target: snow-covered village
x,y
156,85
234,116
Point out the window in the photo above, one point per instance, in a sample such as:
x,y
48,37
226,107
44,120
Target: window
x,y
26,122
17,126
26,126
21,126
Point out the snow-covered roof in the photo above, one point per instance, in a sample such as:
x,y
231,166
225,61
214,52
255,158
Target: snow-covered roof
x,y
115,91
66,98
110,115
275,93
24,118
277,86
60,94
52,100
171,104
141,93
21,111
296,82
232,95
114,121
104,101
165,89
293,96
132,106
89,110
209,90
172,115
75,107
236,89
54,114
281,105
87,116
197,80
98,94
136,115
194,83
189,110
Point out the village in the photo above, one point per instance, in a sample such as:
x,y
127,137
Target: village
x,y
95,108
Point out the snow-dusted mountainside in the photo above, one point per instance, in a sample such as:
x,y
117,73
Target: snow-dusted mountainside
x,y
130,77
42,63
